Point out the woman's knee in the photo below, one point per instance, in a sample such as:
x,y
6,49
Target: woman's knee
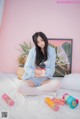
x,y
24,84
19,88
58,84
55,83
30,83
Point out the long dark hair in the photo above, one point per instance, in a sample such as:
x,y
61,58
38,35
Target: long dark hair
x,y
39,55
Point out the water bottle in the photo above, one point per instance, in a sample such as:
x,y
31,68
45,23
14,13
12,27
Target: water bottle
x,y
71,101
8,100
51,104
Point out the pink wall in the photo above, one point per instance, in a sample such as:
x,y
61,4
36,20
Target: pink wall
x,y
22,18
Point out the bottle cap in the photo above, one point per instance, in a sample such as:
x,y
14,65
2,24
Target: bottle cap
x,y
11,103
4,96
56,108
65,95
77,101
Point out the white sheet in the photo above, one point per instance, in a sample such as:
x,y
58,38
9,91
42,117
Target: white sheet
x,y
30,107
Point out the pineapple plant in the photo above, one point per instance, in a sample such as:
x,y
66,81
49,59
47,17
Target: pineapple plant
x,y
24,52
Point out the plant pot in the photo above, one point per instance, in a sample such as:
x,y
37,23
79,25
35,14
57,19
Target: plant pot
x,y
20,72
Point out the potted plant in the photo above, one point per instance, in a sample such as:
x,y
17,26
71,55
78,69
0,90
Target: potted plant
x,y
24,52
22,58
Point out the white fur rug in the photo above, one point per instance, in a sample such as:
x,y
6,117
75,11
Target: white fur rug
x,y
33,107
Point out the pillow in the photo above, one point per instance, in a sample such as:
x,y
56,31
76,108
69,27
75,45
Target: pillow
x,y
71,81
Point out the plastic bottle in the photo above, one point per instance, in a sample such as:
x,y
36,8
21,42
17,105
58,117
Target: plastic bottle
x,y
51,104
71,101
58,101
8,100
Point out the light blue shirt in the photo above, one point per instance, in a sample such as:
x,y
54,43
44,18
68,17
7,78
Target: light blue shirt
x,y
30,63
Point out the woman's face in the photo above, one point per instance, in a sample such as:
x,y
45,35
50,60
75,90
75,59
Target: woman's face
x,y
40,42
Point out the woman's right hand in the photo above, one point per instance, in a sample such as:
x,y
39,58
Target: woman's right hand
x,y
39,73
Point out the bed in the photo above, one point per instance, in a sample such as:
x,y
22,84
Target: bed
x,y
33,107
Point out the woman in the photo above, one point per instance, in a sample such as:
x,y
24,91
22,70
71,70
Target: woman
x,y
37,80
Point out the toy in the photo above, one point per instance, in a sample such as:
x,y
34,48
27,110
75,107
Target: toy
x,y
58,101
8,100
71,101
51,104
42,67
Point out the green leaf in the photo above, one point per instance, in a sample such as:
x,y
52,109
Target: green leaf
x,y
25,48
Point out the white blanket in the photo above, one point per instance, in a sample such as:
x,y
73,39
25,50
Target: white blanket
x,y
30,107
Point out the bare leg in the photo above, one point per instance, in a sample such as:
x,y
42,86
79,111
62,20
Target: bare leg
x,y
50,85
30,83
28,88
